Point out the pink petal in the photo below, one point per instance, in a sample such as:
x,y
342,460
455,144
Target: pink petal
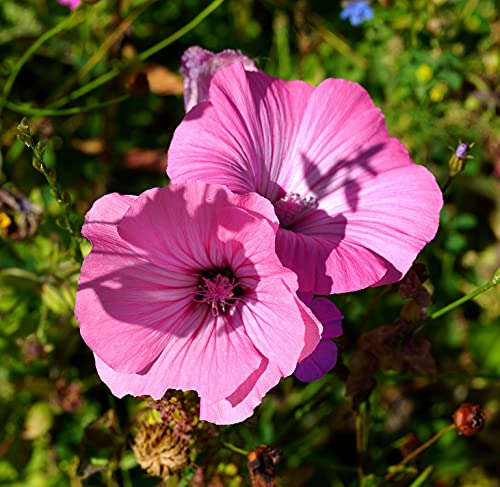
x,y
319,363
97,300
102,219
314,329
268,312
242,137
405,219
354,170
396,214
267,318
240,405
339,121
181,207
195,210
122,384
327,265
204,350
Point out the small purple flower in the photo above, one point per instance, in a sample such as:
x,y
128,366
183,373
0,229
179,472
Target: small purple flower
x,y
357,11
198,67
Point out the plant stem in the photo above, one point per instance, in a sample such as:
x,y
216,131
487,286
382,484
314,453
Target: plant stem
x,y
422,477
181,32
62,197
336,42
492,282
54,112
415,453
108,43
236,449
446,184
92,85
75,18
361,438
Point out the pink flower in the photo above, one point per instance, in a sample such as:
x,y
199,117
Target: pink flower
x,y
183,290
324,357
72,4
354,210
198,67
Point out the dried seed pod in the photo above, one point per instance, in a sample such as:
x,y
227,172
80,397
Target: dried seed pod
x,y
159,451
469,419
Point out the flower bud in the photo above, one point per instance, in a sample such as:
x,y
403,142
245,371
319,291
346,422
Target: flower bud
x,y
469,419
459,158
24,133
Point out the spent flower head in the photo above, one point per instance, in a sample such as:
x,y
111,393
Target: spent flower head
x,y
159,450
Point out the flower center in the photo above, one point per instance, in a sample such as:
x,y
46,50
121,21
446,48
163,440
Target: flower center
x,y
219,289
292,207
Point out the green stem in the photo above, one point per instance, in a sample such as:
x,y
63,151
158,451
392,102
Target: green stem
x,y
181,32
49,112
361,425
446,184
337,42
458,376
236,449
415,453
92,85
63,198
422,477
75,18
493,282
112,39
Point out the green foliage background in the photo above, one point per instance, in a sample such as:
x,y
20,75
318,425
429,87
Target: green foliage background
x,y
433,66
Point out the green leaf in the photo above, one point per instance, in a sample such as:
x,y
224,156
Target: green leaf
x,y
38,421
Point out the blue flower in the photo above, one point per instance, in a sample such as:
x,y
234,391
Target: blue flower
x,y
357,12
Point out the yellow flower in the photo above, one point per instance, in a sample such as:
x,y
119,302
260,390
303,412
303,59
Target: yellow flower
x,y
5,220
438,92
424,73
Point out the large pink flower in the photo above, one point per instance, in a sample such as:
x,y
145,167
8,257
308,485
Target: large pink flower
x,y
183,290
354,210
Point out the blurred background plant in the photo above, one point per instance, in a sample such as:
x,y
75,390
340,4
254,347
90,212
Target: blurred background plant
x,y
101,92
